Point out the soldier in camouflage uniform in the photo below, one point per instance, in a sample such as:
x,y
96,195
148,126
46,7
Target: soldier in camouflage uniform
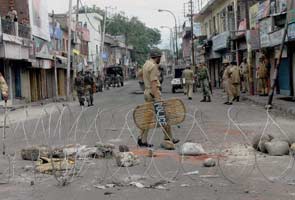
x,y
3,88
88,85
203,76
79,86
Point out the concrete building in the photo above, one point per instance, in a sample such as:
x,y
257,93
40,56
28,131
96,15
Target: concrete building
x,y
94,24
15,45
223,24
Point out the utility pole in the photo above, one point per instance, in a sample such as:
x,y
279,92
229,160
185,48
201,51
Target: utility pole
x,y
192,32
69,48
103,36
55,49
249,57
77,23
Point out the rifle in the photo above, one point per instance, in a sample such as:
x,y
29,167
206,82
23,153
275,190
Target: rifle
x,y
209,81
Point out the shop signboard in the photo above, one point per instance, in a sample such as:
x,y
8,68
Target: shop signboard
x,y
220,41
39,19
264,9
265,27
291,32
253,12
253,40
276,38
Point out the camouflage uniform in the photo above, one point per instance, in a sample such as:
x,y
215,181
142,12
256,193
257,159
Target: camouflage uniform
x,y
89,82
188,76
203,76
79,86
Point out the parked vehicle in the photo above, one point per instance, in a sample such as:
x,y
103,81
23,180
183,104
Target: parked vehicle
x,y
177,81
114,76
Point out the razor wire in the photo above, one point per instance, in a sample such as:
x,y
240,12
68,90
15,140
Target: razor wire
x,y
51,130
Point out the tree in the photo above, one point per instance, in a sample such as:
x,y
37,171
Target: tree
x,y
137,34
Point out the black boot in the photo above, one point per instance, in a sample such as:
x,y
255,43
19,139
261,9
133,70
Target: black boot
x,y
141,144
238,98
204,100
209,99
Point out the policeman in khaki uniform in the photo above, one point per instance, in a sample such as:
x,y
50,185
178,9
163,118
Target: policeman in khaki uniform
x,y
204,79
188,76
245,76
226,77
3,88
262,75
235,82
151,77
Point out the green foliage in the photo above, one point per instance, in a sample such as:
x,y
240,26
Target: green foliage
x,y
137,34
93,9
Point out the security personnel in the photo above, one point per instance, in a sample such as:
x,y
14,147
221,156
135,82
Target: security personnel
x,y
79,86
235,82
151,77
89,82
262,75
3,88
226,77
244,76
188,76
204,79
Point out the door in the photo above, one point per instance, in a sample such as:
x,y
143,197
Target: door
x,y
17,82
293,73
284,78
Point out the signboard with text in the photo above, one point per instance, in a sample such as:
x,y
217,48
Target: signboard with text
x,y
265,27
39,19
220,41
253,11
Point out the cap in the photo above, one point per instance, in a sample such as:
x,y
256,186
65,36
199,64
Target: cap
x,y
154,53
225,61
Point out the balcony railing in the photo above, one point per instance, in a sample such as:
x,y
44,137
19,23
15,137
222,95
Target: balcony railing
x,y
8,26
24,31
14,28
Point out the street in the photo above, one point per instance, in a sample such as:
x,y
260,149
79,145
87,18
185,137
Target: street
x,y
224,131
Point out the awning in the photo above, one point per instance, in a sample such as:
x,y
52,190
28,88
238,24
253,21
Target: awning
x,y
61,62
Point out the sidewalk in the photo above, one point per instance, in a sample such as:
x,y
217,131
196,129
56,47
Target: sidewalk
x,y
284,106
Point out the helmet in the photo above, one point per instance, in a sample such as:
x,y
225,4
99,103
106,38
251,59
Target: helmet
x,y
154,53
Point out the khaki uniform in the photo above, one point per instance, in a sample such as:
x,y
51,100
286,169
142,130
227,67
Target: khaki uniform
x,y
226,77
150,73
188,76
245,77
3,86
262,78
235,82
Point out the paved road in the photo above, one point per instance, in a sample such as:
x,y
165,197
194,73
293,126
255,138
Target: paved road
x,y
206,123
